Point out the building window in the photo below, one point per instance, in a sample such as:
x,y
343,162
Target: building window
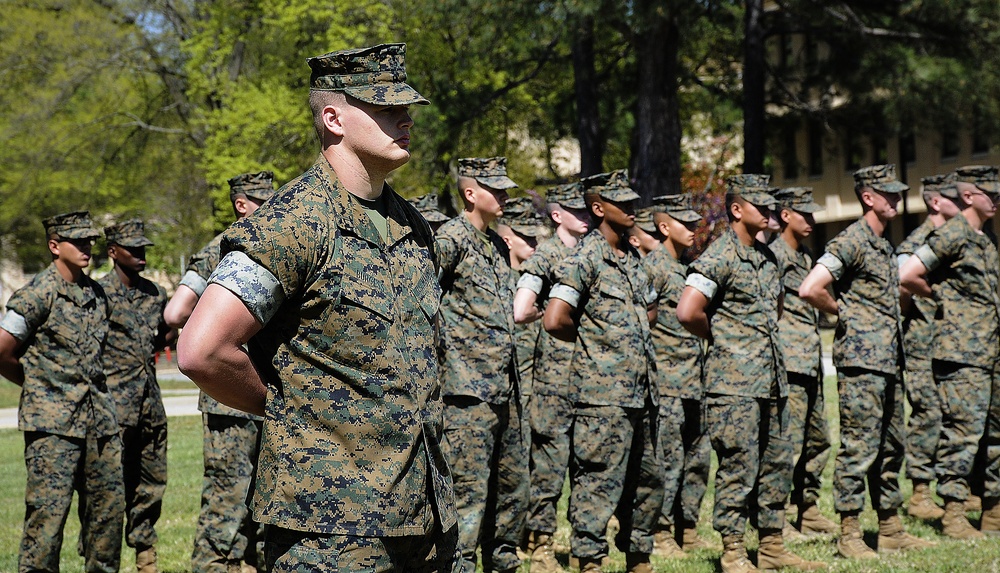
x,y
980,139
880,150
908,148
815,149
852,151
790,159
950,145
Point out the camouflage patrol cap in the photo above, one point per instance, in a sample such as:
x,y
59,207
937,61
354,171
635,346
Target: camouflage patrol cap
x,y
644,220
520,214
428,207
75,225
488,171
677,206
985,177
611,186
754,188
127,234
569,196
880,178
798,199
375,75
258,186
940,184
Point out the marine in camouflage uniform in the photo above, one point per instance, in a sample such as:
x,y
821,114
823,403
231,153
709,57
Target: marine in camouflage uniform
x,y
136,332
602,299
485,433
868,354
966,342
333,283
733,297
59,321
550,409
226,533
923,427
798,331
428,207
684,446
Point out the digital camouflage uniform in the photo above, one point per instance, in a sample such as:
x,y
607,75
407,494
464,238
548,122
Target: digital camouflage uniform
x,y
798,331
71,435
135,333
229,447
923,428
867,352
745,386
485,433
966,343
614,467
684,446
351,474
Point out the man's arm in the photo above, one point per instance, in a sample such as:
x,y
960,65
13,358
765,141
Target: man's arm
x,y
558,320
525,310
652,311
913,277
210,350
180,306
691,312
815,289
10,365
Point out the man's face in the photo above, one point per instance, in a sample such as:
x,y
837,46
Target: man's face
x,y
378,134
245,206
576,221
72,252
984,203
754,217
682,234
619,214
945,207
800,224
521,246
131,259
488,202
884,204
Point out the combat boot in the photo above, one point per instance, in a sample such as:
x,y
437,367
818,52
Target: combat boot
x,y
145,561
954,524
851,543
990,524
973,503
812,522
773,554
543,555
638,563
922,505
892,537
734,556
691,541
589,565
664,545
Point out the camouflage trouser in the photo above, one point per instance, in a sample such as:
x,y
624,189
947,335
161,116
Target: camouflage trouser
x,y
750,438
614,470
987,468
965,395
56,466
550,418
808,435
225,528
144,461
871,440
288,551
686,453
486,446
923,429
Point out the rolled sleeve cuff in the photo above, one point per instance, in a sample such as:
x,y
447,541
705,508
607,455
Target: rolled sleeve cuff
x,y
15,324
927,257
651,296
195,282
568,294
259,290
832,264
901,259
531,282
703,284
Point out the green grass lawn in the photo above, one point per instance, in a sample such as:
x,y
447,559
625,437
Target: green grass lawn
x,y
180,511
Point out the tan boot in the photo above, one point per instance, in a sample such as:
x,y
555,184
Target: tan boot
x,y
543,555
851,543
590,565
812,522
922,505
792,535
145,561
990,524
664,545
892,537
691,541
734,556
974,503
773,554
638,563
954,524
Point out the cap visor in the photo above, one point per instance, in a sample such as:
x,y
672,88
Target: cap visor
x,y
989,186
760,199
810,207
135,242
892,187
499,182
686,216
387,94
620,195
80,234
434,216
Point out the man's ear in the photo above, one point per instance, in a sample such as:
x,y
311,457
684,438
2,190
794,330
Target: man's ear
x,y
785,216
664,228
597,209
331,117
634,241
867,197
54,247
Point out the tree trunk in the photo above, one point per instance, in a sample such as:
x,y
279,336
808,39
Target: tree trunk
x,y
753,88
657,157
588,121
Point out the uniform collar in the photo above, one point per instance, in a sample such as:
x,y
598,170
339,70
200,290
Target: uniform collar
x,y
351,215
81,293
